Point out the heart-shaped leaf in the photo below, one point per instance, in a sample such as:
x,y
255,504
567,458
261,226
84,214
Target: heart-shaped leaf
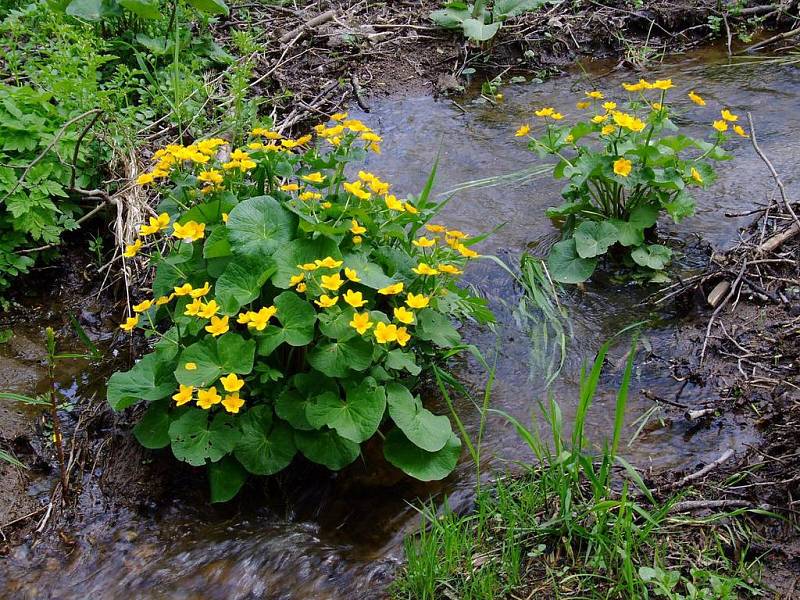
x,y
266,446
225,478
259,226
653,256
230,353
416,462
149,379
338,358
194,440
327,448
593,238
566,266
420,426
355,417
241,282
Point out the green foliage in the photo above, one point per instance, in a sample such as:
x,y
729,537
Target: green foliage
x,y
295,310
479,22
622,170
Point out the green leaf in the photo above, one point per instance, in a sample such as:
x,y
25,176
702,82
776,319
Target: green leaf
x,y
511,8
297,317
370,273
225,478
291,407
266,446
652,256
298,252
241,282
644,216
451,17
217,244
152,430
259,226
355,418
422,428
680,207
213,7
93,10
416,462
398,360
149,379
593,238
566,266
437,328
145,9
194,440
628,234
230,353
336,359
326,448
478,30
336,324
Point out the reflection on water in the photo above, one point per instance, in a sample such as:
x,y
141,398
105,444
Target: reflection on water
x,y
340,536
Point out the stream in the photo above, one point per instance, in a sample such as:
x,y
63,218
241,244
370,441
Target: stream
x,y
340,536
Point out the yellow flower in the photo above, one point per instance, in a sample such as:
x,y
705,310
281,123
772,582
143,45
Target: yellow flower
x,y
523,131
410,208
231,383
244,318
361,322
657,106
357,190
326,302
351,274
392,203
385,333
583,104
638,87
314,177
417,300
295,279
301,287
290,187
130,323
142,306
232,403
357,229
190,366
609,106
357,239
720,126
424,242
239,154
595,95
622,167
696,99
224,217
259,320
662,84
132,250
425,269
212,176
208,398
144,179
326,205
189,231
148,229
193,308
184,394
218,326
449,269
570,138
435,228
544,112
354,299
371,137
738,129
392,289
402,314
183,290
305,196
456,234
162,300
599,118
200,292
331,282
329,262
466,252
608,129
728,115
340,116
403,336
308,266
272,135
556,116
209,310
696,175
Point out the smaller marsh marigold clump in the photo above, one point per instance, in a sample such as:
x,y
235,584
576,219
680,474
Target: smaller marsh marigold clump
x,y
293,307
625,163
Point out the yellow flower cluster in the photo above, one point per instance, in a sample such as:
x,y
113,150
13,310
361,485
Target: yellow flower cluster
x,y
206,398
333,134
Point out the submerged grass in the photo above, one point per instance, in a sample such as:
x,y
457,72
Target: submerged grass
x,y
575,525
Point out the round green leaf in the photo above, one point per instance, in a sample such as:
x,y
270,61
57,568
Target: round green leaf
x,y
213,7
422,428
298,252
146,9
149,379
229,353
194,440
327,448
335,324
416,462
259,226
566,266
291,407
398,360
241,282
644,216
653,256
355,417
436,327
593,238
336,358
266,446
297,317
628,234
153,429
370,273
225,477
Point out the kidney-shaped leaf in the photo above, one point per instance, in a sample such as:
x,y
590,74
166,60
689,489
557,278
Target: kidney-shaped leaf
x,y
566,266
225,478
213,357
420,426
149,379
653,256
298,252
593,238
416,462
259,226
326,448
194,440
266,445
337,358
355,417
241,282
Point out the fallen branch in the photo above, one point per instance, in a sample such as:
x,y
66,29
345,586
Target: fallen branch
x,y
692,505
702,472
310,24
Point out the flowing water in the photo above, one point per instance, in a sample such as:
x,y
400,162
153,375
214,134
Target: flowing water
x,y
341,536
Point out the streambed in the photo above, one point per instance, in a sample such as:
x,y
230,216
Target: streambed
x,y
341,536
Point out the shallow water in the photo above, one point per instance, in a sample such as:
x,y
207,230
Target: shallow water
x,y
341,536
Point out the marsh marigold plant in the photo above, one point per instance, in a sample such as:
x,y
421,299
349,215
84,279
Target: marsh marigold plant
x,y
624,163
295,304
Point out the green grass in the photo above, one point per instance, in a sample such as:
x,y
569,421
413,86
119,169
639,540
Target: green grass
x,y
575,525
